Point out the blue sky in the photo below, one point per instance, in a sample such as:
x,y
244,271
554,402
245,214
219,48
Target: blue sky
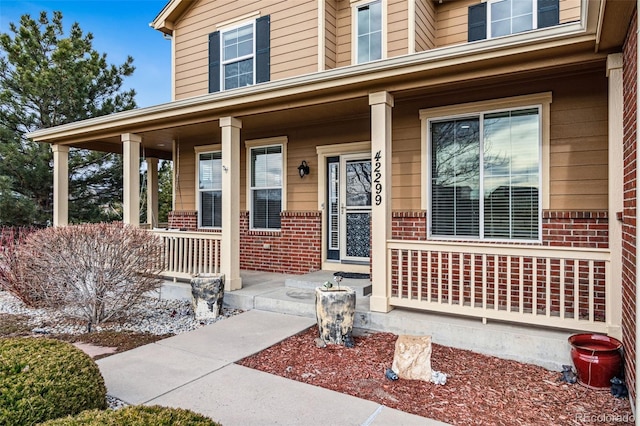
x,y
120,28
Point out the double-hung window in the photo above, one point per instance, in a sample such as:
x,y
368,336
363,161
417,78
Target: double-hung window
x,y
210,189
369,31
238,49
239,54
485,175
266,168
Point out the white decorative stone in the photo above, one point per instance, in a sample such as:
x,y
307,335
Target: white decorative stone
x,y
208,293
412,358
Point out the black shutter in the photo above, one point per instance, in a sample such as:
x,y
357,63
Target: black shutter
x,y
548,13
263,47
477,28
214,62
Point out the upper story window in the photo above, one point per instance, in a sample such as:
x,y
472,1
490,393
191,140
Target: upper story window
x,y
369,32
239,55
496,18
210,189
266,182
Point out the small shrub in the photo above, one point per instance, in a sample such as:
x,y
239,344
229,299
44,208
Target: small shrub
x,y
94,272
43,379
138,415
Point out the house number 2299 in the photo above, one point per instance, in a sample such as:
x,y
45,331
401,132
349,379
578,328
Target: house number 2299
x,y
377,176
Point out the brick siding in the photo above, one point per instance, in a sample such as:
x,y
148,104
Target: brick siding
x,y
629,71
186,220
295,249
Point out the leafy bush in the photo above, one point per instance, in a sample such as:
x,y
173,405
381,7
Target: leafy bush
x,y
94,272
138,415
43,379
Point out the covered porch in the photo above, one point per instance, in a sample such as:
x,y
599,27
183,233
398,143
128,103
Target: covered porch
x,y
375,109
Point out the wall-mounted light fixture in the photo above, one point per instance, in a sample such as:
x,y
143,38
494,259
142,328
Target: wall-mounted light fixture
x,y
303,169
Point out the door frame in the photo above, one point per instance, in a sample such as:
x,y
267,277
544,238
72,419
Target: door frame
x,y
335,150
344,159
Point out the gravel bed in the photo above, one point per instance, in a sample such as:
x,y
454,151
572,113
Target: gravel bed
x,y
153,315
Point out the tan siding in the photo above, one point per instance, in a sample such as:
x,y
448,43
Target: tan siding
x,y
186,177
343,39
330,35
289,21
425,25
569,11
397,28
452,19
406,161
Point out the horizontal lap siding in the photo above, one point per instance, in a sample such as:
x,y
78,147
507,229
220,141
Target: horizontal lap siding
x,y
425,25
397,28
343,39
293,39
579,173
331,35
406,165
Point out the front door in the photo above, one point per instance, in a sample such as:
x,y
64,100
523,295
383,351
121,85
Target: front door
x,y
349,208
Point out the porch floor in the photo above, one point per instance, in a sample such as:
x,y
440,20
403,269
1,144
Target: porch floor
x,y
295,295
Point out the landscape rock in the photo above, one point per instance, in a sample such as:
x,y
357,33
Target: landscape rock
x,y
208,293
412,357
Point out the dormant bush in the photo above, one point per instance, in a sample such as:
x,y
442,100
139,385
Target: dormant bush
x,y
95,272
137,415
13,266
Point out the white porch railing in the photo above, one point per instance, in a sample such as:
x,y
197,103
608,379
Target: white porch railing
x,y
549,286
190,253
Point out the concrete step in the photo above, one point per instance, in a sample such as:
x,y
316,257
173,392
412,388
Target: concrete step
x,y
362,287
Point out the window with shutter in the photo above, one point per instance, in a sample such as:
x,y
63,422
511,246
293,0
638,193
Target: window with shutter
x,y
497,18
240,56
485,174
210,189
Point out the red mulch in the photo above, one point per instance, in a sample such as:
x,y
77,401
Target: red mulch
x,y
480,389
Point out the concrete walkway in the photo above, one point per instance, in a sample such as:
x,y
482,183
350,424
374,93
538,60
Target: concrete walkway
x,y
196,371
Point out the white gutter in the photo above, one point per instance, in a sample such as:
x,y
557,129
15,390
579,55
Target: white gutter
x,y
393,67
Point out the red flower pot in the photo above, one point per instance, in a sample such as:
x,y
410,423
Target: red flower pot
x,y
597,359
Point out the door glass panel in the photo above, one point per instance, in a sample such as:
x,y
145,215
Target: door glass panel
x,y
358,181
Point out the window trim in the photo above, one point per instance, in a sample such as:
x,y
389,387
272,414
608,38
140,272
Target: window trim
x,y
203,149
355,4
240,58
542,100
534,23
264,143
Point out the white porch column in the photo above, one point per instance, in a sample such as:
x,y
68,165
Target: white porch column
x,y
616,198
60,185
230,250
381,104
131,178
152,191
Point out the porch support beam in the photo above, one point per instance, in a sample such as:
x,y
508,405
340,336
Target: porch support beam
x,y
230,244
616,198
152,191
131,178
60,185
381,105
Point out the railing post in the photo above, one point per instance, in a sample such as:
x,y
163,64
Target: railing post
x,y
381,104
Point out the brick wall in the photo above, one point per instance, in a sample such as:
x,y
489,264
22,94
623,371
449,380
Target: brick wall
x,y
295,249
186,220
629,71
575,229
409,225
